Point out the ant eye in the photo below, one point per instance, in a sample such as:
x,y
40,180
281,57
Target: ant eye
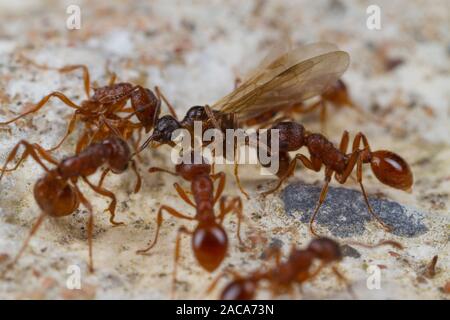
x,y
391,170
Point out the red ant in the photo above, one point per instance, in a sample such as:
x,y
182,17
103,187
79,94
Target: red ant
x,y
209,239
281,81
387,166
99,112
57,193
297,269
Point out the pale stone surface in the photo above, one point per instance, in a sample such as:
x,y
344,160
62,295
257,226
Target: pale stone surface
x,y
194,51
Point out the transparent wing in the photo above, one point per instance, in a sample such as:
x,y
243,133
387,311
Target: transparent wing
x,y
285,78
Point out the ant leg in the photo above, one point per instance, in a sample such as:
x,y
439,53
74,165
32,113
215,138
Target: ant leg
x,y
33,150
177,255
233,206
158,169
104,192
70,129
102,177
236,175
159,221
352,161
160,96
65,69
312,164
33,230
90,225
82,142
183,194
323,195
212,117
86,77
391,243
137,144
357,140
344,142
137,187
366,199
344,280
41,103
112,78
112,128
213,164
356,159
221,176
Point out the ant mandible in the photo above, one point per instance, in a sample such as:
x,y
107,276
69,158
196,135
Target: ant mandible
x,y
388,167
99,112
209,239
57,193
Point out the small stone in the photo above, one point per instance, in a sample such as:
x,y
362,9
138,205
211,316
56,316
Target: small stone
x,y
344,211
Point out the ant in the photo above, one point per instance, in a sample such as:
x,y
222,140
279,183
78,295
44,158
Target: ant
x,y
99,112
166,126
209,239
297,269
280,82
388,167
57,193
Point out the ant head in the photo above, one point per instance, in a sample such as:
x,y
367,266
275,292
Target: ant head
x,y
121,154
239,289
391,170
325,249
146,106
190,170
291,135
210,244
55,196
164,128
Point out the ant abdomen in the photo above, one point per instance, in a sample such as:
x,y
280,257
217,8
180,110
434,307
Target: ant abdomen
x,y
210,243
391,169
55,196
239,289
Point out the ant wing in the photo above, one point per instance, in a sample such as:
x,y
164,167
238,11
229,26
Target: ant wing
x,y
282,56
290,78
